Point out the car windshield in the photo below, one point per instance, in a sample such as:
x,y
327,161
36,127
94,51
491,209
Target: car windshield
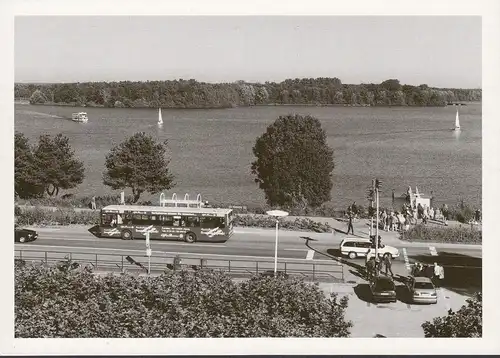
x,y
424,285
384,285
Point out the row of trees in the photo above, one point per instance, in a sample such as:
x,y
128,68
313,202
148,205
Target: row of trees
x,y
138,163
293,164
192,94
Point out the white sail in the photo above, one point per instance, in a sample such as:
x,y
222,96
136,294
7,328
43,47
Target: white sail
x,y
457,121
160,119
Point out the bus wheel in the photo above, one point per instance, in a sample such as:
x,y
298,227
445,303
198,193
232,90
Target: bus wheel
x,y
126,235
190,237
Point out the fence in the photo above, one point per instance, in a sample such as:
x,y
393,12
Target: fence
x,y
325,271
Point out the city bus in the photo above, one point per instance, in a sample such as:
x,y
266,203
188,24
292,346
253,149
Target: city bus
x,y
189,224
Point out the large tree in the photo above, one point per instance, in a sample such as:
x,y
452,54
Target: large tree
x,y
139,163
294,162
466,322
26,174
58,167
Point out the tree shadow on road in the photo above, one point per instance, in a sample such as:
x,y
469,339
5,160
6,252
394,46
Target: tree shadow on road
x,y
462,273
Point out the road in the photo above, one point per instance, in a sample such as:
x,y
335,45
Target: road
x,y
250,242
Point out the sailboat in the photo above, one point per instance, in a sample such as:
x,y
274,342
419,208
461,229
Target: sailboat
x,y
457,122
160,119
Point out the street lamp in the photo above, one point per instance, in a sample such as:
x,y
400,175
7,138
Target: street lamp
x,y
277,214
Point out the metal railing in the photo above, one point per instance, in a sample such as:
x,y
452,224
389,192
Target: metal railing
x,y
318,270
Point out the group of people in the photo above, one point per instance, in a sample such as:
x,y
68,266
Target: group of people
x,y
434,272
374,267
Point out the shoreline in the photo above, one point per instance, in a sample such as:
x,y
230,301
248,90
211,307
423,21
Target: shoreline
x,y
74,105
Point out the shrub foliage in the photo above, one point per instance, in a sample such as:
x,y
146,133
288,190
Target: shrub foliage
x,y
64,302
467,322
462,235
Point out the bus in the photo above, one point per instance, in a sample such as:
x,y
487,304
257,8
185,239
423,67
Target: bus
x,y
189,224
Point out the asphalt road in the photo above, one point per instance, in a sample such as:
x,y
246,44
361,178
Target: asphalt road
x,y
246,242
462,263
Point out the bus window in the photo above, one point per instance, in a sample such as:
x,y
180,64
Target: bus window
x,y
138,219
167,220
212,222
191,221
106,219
179,222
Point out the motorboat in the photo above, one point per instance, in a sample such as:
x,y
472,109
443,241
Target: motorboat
x,y
80,117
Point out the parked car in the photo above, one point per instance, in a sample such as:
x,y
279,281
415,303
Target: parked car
x,y
421,290
357,247
383,289
24,235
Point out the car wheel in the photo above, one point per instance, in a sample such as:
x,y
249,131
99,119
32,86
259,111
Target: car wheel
x,y
352,255
127,235
22,239
190,237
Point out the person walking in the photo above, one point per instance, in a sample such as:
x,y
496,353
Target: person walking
x,y
438,274
445,214
388,265
93,203
349,226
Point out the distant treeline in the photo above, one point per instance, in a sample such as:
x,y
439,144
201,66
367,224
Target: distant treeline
x,y
192,94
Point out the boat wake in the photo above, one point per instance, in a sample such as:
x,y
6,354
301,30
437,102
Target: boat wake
x,y
41,114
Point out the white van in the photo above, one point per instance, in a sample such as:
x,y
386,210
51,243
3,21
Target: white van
x,y
356,247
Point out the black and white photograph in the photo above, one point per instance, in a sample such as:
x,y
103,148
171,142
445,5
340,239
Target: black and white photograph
x,y
254,175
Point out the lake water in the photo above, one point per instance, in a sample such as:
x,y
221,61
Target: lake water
x,y
211,150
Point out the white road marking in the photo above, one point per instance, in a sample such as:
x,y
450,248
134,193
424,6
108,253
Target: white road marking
x,y
140,240
310,255
407,261
433,251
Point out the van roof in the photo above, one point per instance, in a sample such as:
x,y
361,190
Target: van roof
x,y
360,239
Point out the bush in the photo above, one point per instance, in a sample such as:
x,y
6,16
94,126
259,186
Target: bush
x,y
61,216
462,213
60,302
265,221
461,235
467,322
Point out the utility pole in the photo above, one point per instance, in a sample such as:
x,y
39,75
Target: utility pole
x,y
377,189
371,205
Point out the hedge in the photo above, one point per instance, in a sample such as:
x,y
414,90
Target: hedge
x,y
60,302
68,216
454,235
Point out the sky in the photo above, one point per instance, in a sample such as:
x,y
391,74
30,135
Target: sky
x,y
441,51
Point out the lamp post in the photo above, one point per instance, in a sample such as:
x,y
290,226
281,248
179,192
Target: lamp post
x,y
277,214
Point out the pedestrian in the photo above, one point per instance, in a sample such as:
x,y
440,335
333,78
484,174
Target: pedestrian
x,y
431,213
420,210
388,265
477,216
415,272
387,221
354,209
349,226
441,275
445,214
93,203
383,218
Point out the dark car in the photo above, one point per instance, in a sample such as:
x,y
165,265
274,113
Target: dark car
x,y
24,235
383,289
